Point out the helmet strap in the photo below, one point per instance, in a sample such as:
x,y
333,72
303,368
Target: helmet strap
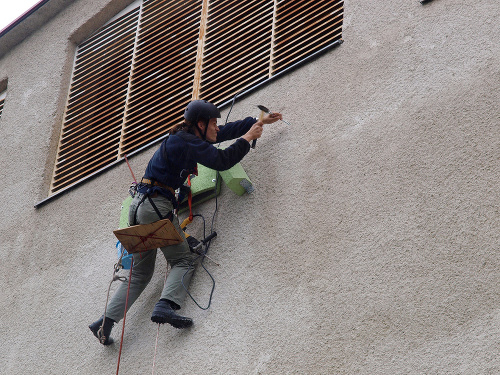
x,y
203,134
206,129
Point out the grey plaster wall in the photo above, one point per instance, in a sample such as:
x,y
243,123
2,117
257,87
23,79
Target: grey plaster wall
x,y
370,245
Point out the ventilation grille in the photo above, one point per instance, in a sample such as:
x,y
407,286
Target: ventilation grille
x,y
303,28
1,106
163,70
94,114
237,47
133,77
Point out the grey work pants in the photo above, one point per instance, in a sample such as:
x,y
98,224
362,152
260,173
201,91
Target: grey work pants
x,y
179,256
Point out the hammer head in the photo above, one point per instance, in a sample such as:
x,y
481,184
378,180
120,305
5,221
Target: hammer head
x,y
262,108
266,110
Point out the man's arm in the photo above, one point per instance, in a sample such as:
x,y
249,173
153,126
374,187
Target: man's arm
x,y
219,159
234,129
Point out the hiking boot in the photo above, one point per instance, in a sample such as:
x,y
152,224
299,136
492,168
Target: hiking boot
x,y
164,313
103,334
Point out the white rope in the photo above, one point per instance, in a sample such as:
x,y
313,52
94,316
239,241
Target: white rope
x,y
158,329
118,266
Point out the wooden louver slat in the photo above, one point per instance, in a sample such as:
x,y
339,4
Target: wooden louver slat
x,y
237,48
303,28
92,124
163,70
133,77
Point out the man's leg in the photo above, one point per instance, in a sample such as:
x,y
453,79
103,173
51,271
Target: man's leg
x,y
174,292
142,272
181,260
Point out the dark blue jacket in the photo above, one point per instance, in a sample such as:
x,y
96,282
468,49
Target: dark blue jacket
x,y
180,152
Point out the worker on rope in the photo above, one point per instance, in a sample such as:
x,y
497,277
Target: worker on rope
x,y
177,157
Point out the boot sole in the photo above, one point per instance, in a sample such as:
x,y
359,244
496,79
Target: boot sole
x,y
178,322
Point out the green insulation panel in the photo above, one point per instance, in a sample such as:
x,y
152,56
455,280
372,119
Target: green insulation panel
x,y
124,214
237,180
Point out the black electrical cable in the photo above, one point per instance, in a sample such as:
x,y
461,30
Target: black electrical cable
x,y
191,265
207,244
203,254
230,109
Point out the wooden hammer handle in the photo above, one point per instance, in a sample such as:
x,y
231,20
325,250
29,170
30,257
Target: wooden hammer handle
x,y
261,116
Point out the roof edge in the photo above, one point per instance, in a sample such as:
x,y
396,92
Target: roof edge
x,y
22,17
29,22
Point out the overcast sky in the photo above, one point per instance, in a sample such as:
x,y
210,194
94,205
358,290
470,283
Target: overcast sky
x,y
10,10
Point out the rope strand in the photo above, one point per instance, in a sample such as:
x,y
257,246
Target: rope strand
x,y
158,329
124,317
132,173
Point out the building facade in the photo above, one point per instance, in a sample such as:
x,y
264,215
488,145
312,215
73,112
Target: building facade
x,y
370,244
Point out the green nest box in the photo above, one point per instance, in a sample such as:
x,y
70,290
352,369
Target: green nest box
x,y
237,180
124,213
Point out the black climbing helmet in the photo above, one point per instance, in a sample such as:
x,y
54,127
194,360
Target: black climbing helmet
x,y
200,110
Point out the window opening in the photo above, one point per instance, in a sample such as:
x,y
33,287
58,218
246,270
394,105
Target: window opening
x,y
133,77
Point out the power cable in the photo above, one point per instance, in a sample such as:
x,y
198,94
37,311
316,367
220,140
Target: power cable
x,y
206,243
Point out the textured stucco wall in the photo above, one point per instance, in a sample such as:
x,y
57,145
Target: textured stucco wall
x,y
370,246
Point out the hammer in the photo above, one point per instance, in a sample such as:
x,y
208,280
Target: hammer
x,y
264,110
261,116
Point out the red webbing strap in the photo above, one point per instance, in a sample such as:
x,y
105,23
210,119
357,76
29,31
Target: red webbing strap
x,y
190,199
130,168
